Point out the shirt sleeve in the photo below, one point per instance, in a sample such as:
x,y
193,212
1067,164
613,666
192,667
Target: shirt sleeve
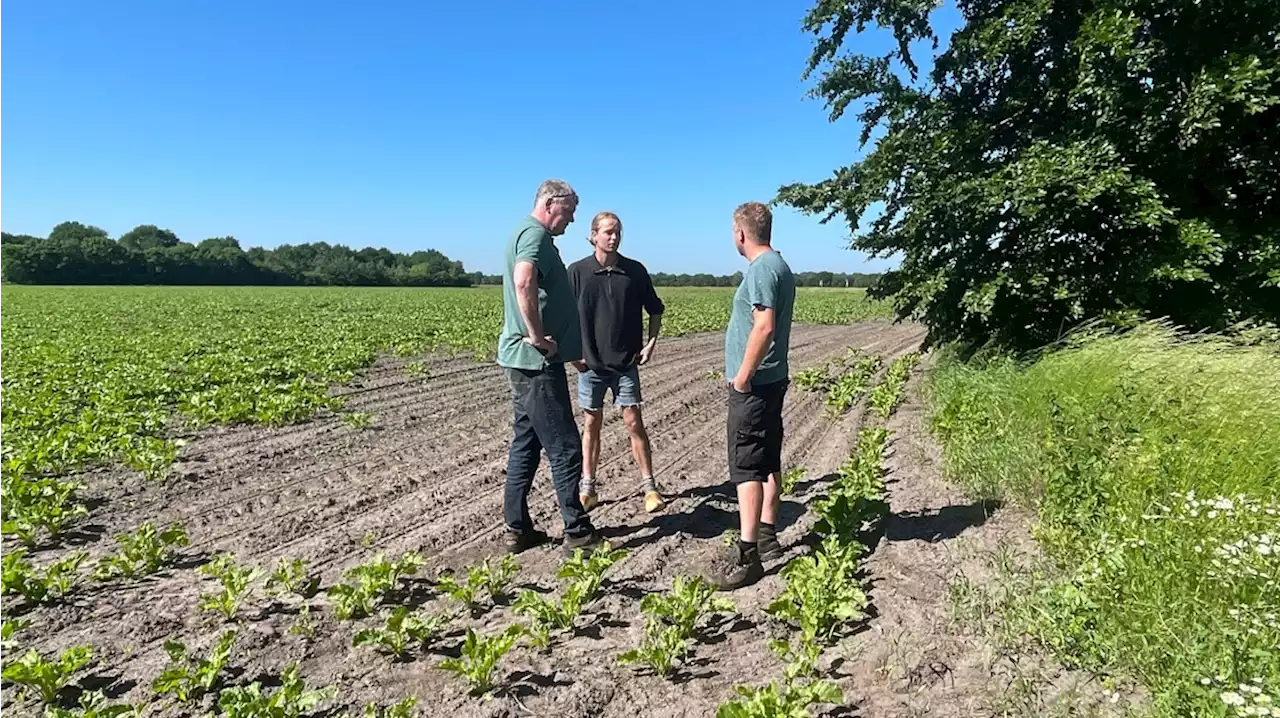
x,y
652,302
762,288
529,247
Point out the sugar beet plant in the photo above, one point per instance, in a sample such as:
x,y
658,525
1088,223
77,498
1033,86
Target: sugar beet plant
x,y
482,580
235,581
889,393
37,509
581,577
856,501
671,621
402,630
480,657
291,700
143,552
48,585
369,583
46,678
186,678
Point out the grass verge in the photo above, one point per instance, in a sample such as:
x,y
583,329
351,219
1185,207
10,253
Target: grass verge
x,y
1153,462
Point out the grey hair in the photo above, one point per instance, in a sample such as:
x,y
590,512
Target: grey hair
x,y
553,189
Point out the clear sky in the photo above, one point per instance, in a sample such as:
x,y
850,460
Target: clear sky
x,y
414,125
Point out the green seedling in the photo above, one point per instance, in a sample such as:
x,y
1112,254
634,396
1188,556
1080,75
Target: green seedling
x,y
588,571
143,552
687,603
406,708
303,625
357,419
291,700
822,593
790,479
44,677
789,700
93,704
8,630
292,577
38,507
59,579
480,656
400,629
482,579
369,583
186,678
661,649
547,615
235,582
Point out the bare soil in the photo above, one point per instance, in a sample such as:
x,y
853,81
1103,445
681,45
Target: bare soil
x,y
427,476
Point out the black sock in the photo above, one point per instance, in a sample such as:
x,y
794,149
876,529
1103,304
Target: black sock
x,y
766,527
747,548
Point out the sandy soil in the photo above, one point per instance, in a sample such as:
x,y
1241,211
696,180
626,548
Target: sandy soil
x,y
427,476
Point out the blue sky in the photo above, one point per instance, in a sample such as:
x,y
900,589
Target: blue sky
x,y
419,125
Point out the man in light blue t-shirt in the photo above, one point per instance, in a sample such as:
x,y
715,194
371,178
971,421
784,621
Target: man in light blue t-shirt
x,y
755,365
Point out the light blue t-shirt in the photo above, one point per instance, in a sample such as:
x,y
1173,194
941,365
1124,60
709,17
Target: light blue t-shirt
x,y
767,283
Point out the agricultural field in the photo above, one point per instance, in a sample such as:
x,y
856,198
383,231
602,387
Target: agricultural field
x,y
251,502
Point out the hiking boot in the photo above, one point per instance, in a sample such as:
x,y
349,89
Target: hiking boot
x,y
743,569
653,501
589,500
767,543
518,541
588,542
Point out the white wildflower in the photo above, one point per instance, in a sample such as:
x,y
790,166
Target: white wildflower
x,y
1232,698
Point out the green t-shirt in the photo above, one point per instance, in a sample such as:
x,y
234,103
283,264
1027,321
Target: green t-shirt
x,y
767,283
532,242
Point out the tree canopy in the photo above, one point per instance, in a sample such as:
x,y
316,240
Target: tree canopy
x,y
1060,162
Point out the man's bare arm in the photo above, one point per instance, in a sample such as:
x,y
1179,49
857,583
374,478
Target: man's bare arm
x,y
526,278
757,346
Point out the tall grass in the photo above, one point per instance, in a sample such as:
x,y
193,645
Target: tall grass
x,y
1153,462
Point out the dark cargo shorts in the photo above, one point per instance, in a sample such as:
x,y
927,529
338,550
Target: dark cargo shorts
x,y
755,432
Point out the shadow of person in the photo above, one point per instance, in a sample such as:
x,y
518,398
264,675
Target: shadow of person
x,y
941,525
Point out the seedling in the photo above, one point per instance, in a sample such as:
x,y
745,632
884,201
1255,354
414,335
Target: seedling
x,y
143,552
292,577
791,700
93,704
406,708
34,507
400,629
303,625
8,630
687,603
357,419
661,649
44,677
822,593
547,615
290,700
368,583
589,571
187,679
481,579
19,576
235,582
480,656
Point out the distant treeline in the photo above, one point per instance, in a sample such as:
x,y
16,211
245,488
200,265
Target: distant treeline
x,y
76,253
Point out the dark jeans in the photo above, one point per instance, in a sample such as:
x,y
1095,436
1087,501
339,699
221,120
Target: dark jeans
x,y
544,420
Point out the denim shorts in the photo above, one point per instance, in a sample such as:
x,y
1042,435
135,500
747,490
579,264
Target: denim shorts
x,y
592,387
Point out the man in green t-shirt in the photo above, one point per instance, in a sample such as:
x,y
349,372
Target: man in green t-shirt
x,y
539,334
755,365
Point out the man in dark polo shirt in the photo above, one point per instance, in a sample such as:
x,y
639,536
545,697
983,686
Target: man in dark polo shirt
x,y
539,334
612,292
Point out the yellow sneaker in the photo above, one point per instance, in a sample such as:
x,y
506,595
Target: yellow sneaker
x,y
653,501
589,501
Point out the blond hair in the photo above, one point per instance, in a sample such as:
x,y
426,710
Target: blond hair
x,y
595,221
755,220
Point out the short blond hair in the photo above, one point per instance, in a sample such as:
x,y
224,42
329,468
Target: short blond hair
x,y
595,221
755,220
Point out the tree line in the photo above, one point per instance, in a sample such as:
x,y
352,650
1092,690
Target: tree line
x,y
76,253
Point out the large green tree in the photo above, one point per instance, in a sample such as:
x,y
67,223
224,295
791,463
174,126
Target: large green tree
x,y
1059,161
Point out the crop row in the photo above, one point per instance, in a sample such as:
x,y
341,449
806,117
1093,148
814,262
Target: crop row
x,y
823,595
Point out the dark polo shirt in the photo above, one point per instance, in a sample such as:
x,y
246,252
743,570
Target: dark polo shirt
x,y
610,302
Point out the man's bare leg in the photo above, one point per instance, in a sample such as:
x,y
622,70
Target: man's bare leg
x,y
772,501
591,422
642,452
750,503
